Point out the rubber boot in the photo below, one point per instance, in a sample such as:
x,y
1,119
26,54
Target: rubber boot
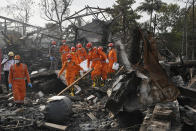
x,y
102,83
94,83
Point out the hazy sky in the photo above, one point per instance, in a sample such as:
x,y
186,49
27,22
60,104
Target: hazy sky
x,y
80,4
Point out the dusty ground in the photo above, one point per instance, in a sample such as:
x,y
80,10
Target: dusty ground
x,y
79,120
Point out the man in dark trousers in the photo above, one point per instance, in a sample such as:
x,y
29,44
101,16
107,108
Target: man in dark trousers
x,y
7,63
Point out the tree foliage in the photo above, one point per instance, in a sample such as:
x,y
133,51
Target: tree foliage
x,y
149,6
125,17
168,17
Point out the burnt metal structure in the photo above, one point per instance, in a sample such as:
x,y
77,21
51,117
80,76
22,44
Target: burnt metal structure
x,y
96,12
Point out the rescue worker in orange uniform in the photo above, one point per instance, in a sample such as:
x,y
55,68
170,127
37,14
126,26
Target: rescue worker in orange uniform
x,y
70,76
82,54
74,56
18,74
64,50
112,57
104,62
94,56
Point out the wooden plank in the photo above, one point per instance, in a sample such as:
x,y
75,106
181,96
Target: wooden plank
x,y
91,116
55,126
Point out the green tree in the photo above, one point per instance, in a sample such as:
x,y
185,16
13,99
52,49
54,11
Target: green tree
x,y
168,18
125,18
149,6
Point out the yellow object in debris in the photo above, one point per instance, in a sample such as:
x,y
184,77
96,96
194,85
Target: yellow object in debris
x,y
71,94
94,84
102,84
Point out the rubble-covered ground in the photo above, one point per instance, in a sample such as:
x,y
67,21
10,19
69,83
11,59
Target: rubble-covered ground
x,y
89,113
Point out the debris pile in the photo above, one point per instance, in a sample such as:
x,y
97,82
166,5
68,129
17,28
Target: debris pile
x,y
142,96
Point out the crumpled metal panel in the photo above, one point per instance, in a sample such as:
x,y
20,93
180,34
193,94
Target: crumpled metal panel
x,y
166,90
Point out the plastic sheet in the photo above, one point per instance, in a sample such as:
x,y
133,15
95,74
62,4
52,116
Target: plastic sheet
x,y
84,65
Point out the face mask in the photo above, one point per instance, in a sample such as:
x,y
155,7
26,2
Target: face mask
x,y
63,43
79,48
110,48
69,60
54,45
17,61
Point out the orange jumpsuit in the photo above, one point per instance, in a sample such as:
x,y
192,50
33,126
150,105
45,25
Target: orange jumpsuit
x,y
82,55
17,76
75,59
104,69
112,57
94,56
70,74
64,50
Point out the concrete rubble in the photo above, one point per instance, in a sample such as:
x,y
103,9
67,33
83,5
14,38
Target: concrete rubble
x,y
147,97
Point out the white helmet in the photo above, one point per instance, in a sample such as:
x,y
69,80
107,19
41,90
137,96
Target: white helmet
x,y
11,53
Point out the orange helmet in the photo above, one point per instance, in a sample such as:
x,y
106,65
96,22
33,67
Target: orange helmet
x,y
53,42
17,57
68,56
73,49
79,45
94,48
110,44
89,45
100,48
63,41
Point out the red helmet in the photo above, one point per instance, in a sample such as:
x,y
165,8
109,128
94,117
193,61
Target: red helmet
x,y
100,48
79,45
68,56
94,48
17,57
110,44
73,49
89,45
53,42
63,41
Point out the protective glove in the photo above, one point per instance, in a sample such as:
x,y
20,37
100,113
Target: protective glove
x,y
30,85
81,73
51,58
107,61
10,86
